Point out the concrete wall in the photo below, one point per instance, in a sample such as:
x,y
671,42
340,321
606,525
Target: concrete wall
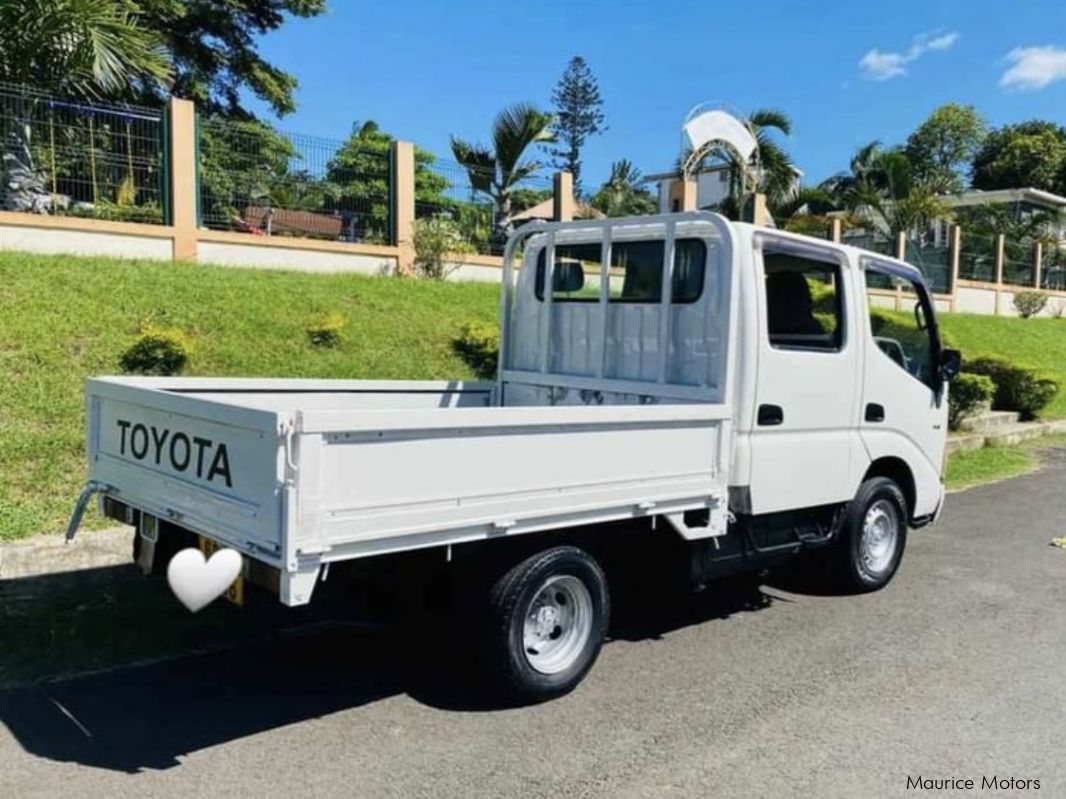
x,y
61,235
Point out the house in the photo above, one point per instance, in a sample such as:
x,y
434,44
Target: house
x,y
712,187
1021,203
546,211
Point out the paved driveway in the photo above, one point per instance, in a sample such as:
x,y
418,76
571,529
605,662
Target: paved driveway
x,y
958,669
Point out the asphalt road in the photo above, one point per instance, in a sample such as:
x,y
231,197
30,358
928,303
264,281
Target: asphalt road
x,y
956,670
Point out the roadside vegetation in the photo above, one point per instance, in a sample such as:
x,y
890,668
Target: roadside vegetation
x,y
995,463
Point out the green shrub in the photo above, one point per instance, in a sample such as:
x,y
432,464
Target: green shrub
x,y
1018,388
968,394
157,351
326,330
1029,303
435,238
478,343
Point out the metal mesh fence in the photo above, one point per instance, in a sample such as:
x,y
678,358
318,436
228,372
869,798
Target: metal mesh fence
x,y
462,196
934,263
1053,268
72,158
977,257
256,180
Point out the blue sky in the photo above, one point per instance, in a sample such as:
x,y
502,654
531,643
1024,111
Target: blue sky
x,y
846,72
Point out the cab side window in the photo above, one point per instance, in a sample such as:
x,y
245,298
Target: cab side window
x,y
804,308
904,336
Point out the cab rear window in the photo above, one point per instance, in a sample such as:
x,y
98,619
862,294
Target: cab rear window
x,y
635,273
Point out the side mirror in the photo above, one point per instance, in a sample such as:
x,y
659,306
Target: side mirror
x,y
950,364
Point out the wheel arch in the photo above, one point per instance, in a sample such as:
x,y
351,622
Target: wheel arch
x,y
897,470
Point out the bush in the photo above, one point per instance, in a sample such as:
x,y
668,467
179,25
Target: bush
x,y
326,330
478,343
1018,388
435,238
1029,303
968,394
157,351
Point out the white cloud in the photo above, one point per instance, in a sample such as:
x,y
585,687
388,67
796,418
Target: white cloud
x,y
1034,68
880,65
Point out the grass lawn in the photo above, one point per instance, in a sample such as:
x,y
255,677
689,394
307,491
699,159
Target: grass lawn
x,y
992,464
1039,343
66,318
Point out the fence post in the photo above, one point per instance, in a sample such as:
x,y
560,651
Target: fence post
x,y
403,205
954,259
760,214
682,195
181,124
563,204
901,254
1001,251
1038,263
836,230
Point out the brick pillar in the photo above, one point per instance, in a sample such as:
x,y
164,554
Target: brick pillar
x,y
836,230
1001,241
1038,263
682,195
564,206
954,254
760,214
901,254
403,205
181,121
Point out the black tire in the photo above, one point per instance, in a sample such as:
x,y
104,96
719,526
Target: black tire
x,y
881,500
514,668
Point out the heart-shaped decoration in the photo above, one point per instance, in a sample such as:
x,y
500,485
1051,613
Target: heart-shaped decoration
x,y
198,583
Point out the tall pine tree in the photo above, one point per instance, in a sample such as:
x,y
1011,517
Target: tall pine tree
x,y
578,115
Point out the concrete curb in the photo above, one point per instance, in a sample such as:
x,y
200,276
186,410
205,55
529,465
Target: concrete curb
x,y
50,554
1005,435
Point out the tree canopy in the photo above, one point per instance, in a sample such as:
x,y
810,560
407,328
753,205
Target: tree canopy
x,y
214,48
1027,155
94,48
578,115
941,149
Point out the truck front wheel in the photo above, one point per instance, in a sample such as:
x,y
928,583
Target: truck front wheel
x,y
874,536
549,617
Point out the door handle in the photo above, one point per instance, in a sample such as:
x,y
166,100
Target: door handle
x,y
770,415
875,412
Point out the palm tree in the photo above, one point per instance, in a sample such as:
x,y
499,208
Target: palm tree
x,y
881,190
498,171
81,48
777,174
622,193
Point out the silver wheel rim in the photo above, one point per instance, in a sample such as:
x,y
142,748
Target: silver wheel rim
x,y
557,625
880,536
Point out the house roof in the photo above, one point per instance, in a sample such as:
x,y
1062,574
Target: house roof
x,y
546,210
1035,196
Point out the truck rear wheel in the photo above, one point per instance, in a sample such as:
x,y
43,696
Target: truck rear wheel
x,y
874,536
549,617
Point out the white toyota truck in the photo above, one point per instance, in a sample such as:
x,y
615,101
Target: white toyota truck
x,y
710,389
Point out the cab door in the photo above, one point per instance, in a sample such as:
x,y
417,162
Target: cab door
x,y
903,397
804,434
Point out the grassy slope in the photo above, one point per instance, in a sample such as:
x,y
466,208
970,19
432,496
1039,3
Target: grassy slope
x,y
63,319
1039,343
